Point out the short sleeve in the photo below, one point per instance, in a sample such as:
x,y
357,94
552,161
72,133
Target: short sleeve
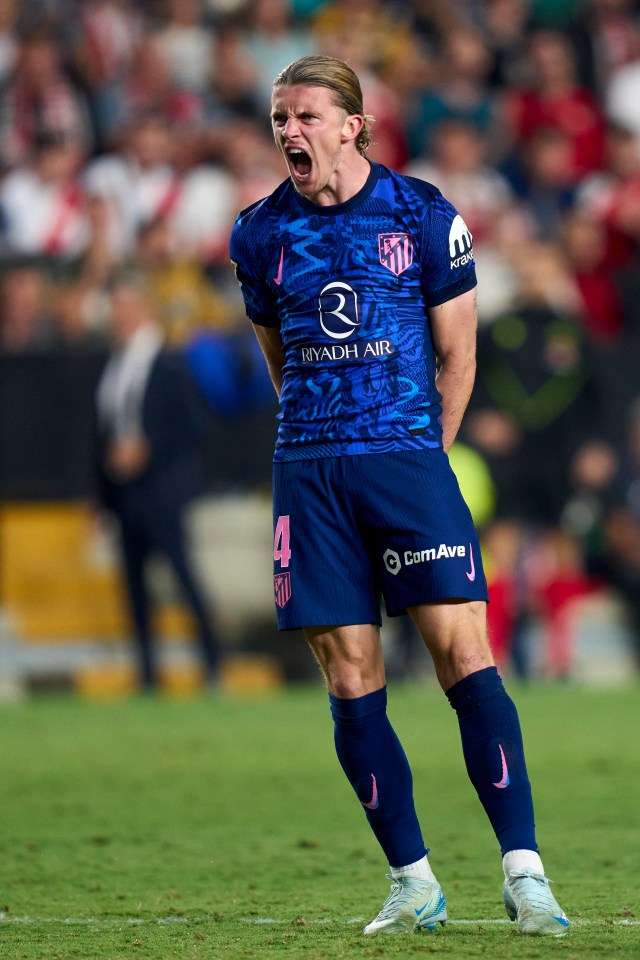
x,y
448,267
259,300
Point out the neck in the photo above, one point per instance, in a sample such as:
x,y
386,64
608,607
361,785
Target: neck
x,y
348,180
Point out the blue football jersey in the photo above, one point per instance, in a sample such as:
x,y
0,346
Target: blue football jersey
x,y
349,287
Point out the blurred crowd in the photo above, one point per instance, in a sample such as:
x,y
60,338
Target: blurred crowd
x,y
133,131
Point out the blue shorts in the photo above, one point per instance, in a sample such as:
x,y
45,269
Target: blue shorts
x,y
350,530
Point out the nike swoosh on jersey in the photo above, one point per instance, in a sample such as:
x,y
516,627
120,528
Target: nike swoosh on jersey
x,y
278,277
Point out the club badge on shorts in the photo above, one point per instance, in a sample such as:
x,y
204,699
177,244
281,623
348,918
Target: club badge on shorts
x,y
282,588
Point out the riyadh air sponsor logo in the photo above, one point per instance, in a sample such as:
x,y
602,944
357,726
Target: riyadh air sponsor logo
x,y
394,562
339,319
460,243
358,350
395,251
338,306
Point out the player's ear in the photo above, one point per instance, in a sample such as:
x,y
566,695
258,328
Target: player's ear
x,y
353,124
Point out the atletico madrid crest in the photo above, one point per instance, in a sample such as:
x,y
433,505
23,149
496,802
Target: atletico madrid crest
x,y
396,251
282,588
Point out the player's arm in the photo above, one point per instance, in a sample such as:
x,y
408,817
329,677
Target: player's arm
x,y
453,328
271,345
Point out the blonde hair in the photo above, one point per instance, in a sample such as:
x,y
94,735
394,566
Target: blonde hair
x,y
317,71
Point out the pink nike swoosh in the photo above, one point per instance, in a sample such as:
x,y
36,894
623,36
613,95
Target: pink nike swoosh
x,y
471,574
373,803
278,277
505,772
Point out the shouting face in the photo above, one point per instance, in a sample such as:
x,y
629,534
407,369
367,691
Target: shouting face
x,y
317,138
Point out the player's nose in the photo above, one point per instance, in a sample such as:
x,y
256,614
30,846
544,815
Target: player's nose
x,y
291,128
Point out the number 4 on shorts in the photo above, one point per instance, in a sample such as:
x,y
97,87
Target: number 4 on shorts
x,y
282,542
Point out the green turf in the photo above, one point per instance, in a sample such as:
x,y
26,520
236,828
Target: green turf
x,y
158,828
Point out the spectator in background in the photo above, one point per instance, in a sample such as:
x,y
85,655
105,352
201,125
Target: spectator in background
x,y
272,40
8,41
184,300
234,92
554,99
535,408
144,184
547,184
504,25
186,44
460,91
457,166
248,152
149,88
104,47
77,315
536,400
43,204
381,33
40,101
608,31
137,183
612,196
148,431
24,320
456,163
585,244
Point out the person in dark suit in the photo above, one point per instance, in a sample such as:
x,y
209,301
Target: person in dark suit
x,y
149,427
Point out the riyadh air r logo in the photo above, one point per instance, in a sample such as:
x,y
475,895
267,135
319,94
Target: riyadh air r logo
x,y
460,243
338,306
395,251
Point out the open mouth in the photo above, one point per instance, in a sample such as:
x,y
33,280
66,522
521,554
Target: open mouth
x,y
300,162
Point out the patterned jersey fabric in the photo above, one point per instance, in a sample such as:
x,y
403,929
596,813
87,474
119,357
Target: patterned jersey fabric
x,y
349,287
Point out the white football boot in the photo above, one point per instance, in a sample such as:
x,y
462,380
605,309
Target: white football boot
x,y
529,900
412,905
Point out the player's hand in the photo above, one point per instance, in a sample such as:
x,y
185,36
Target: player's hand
x,y
494,432
128,458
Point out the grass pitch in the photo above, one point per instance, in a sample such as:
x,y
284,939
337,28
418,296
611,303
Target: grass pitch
x,y
221,828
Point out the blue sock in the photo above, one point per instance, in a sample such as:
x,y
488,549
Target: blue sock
x,y
376,766
494,755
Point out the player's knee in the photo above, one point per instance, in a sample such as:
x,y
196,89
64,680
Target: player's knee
x,y
459,659
353,677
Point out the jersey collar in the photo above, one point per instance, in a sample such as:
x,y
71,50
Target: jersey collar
x,y
336,209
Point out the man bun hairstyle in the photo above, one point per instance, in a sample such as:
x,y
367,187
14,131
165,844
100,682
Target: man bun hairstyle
x,y
317,71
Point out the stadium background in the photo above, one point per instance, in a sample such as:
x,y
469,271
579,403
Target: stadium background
x,y
132,133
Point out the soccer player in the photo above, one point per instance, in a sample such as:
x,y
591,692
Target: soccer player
x,y
360,284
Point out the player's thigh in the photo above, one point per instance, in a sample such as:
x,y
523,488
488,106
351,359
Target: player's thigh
x,y
322,570
350,658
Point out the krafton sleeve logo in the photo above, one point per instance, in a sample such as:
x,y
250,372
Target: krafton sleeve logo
x,y
460,243
338,310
